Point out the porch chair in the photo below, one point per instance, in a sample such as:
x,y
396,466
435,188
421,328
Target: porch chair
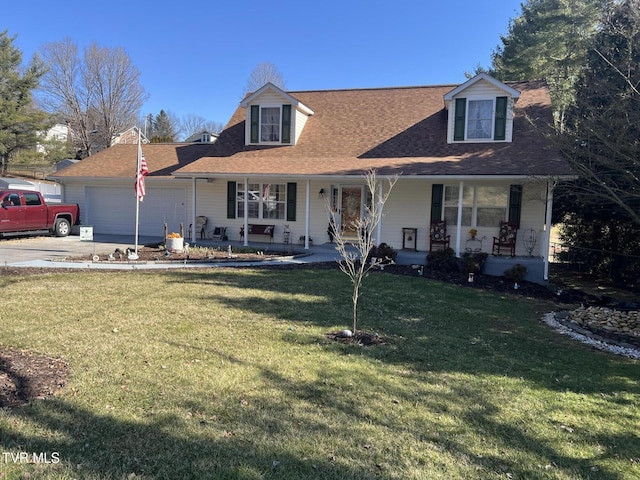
x,y
438,234
506,238
201,223
219,233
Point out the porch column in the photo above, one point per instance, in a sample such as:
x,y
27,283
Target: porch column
x,y
307,208
246,212
193,209
459,229
547,231
379,227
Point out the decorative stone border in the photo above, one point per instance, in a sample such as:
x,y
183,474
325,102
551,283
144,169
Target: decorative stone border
x,y
556,321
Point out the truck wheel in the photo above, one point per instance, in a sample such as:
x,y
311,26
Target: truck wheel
x,y
62,227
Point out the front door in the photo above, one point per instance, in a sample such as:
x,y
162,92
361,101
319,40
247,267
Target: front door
x,y
351,211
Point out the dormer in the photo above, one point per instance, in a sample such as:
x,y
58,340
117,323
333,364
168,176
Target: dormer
x,y
274,117
480,111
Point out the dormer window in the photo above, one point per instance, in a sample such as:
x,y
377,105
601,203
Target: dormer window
x,y
480,119
481,110
271,124
274,117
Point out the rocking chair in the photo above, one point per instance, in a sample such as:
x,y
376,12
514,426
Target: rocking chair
x,y
506,238
438,234
201,223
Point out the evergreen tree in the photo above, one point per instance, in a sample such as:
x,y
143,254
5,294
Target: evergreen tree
x,y
20,121
549,41
164,129
602,207
603,141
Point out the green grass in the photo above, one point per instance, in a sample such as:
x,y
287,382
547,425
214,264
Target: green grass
x,y
227,374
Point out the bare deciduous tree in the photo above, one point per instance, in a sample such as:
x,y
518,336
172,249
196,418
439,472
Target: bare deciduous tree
x,y
192,123
261,75
354,252
98,93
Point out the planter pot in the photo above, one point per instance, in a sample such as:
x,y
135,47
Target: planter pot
x,y
174,244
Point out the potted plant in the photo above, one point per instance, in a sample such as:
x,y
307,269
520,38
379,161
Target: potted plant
x,y
174,242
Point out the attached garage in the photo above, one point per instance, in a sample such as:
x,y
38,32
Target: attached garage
x,y
112,210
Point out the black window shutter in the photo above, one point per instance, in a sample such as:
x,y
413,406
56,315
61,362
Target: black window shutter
x,y
515,203
500,130
231,199
255,123
437,190
286,124
460,119
292,189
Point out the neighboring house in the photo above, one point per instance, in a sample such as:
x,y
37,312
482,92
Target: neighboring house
x,y
59,132
129,136
203,136
473,154
7,183
50,191
67,162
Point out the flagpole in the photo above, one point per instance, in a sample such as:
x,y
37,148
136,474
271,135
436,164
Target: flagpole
x,y
138,167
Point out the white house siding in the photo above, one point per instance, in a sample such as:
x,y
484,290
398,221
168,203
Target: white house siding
x,y
532,216
408,206
299,121
110,209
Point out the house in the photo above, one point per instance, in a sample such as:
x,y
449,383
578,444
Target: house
x,y
66,163
474,154
202,136
130,136
58,132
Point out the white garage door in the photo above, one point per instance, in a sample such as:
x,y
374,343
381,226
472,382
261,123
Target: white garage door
x,y
112,210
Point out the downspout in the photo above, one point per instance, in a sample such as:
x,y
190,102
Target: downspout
x,y
459,223
307,208
547,232
246,212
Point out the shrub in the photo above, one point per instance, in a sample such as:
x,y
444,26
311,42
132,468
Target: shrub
x,y
516,273
384,252
442,260
472,262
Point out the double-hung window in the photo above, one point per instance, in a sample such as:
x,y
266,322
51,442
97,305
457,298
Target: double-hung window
x,y
264,200
270,124
482,206
480,119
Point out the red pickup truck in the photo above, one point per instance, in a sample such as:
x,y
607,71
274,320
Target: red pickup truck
x,y
25,212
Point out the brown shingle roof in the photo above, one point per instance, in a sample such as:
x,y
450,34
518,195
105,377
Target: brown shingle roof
x,y
395,130
121,160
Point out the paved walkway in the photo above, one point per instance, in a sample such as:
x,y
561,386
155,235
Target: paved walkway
x,y
52,252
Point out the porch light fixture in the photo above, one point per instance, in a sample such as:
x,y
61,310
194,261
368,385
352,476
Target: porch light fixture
x,y
321,193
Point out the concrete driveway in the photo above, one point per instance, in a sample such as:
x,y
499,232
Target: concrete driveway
x,y
25,249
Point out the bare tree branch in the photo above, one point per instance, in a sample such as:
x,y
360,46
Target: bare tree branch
x,y
354,253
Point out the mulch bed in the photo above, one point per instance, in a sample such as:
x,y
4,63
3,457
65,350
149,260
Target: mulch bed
x,y
25,376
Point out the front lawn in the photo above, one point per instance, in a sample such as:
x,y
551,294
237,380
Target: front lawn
x,y
227,373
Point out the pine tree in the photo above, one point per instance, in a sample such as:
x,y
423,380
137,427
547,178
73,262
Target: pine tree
x,y
163,129
20,122
549,41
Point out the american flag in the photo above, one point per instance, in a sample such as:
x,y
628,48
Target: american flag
x,y
143,172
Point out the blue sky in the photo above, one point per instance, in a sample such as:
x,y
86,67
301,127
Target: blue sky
x,y
196,57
